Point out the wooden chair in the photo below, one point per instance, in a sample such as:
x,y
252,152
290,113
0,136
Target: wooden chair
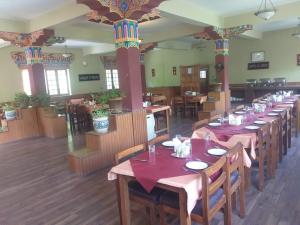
x,y
289,127
215,117
213,197
159,100
200,124
235,174
284,134
159,139
262,151
275,142
297,117
137,193
178,105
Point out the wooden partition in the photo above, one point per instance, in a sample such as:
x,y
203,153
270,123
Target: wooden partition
x,y
26,126
126,130
169,92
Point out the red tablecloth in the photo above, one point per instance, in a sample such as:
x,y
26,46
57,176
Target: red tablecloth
x,y
165,166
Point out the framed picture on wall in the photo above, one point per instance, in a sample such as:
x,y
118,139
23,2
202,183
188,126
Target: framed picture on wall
x,y
298,59
257,56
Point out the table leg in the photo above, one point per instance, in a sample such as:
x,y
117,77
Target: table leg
x,y
185,219
124,205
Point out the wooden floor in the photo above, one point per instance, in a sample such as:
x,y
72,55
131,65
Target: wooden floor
x,y
37,188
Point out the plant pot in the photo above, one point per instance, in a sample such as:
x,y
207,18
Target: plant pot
x,y
115,104
10,115
216,87
101,124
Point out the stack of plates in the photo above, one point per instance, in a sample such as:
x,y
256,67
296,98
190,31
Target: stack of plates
x,y
196,165
272,114
214,124
252,127
216,151
168,144
240,112
260,122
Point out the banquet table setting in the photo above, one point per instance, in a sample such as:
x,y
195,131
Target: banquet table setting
x,y
176,164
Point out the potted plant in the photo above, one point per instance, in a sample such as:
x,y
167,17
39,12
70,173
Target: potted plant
x,y
9,112
100,120
22,100
115,101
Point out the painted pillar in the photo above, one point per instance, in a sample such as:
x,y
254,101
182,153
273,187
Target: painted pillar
x,y
34,60
222,68
128,63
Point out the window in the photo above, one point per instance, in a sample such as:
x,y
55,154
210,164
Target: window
x,y
58,82
26,82
112,79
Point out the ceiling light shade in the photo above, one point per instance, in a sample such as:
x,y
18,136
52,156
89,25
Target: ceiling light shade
x,y
66,54
265,12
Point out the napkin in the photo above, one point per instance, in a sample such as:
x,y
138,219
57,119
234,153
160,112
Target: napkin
x,y
235,119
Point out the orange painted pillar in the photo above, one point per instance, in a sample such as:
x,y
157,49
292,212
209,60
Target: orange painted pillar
x,y
222,68
128,63
34,60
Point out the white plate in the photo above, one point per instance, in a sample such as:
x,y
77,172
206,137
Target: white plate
x,y
272,114
260,122
216,151
214,124
252,127
289,102
168,143
240,112
277,110
196,165
178,156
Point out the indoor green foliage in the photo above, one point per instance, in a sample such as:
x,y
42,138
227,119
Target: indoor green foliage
x,y
103,98
22,100
42,100
7,107
99,113
115,94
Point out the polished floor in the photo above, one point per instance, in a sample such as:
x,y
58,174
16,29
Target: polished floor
x,y
36,188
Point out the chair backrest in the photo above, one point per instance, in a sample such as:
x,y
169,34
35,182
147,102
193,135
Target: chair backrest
x,y
210,187
235,164
264,136
199,124
275,133
128,153
159,139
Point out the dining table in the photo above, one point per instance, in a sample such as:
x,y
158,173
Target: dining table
x,y
167,172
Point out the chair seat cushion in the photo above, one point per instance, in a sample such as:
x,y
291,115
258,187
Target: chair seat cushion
x,y
172,199
136,189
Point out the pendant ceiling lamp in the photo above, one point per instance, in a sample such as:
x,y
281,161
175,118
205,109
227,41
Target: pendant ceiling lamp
x,y
266,10
297,34
66,54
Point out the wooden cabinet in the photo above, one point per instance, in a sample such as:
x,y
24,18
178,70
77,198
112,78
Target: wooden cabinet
x,y
194,78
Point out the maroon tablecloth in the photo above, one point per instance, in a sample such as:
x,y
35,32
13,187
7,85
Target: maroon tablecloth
x,y
165,166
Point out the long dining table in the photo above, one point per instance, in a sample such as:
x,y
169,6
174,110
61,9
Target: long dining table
x,y
168,172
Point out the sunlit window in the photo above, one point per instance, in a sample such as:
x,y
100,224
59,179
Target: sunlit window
x,y
26,82
57,82
112,79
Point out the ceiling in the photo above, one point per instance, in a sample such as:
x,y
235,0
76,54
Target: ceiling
x,y
28,9
235,7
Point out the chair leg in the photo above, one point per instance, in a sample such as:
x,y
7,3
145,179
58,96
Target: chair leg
x,y
153,220
261,175
227,212
162,216
233,200
242,200
247,178
269,162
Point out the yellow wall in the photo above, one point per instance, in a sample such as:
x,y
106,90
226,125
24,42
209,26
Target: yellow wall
x,y
11,80
163,61
280,50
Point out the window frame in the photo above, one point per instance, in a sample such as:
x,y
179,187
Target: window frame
x,y
112,79
57,81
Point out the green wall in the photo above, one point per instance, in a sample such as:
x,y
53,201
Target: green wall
x,y
280,50
163,61
11,80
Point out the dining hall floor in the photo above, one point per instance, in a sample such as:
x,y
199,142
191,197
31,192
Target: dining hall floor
x,y
36,188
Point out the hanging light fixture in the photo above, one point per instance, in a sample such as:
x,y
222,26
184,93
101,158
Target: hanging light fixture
x,y
265,12
66,54
297,34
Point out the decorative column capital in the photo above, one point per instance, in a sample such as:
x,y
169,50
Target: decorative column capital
x,y
126,33
33,55
222,46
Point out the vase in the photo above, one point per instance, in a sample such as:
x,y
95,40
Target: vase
x,y
101,124
10,115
